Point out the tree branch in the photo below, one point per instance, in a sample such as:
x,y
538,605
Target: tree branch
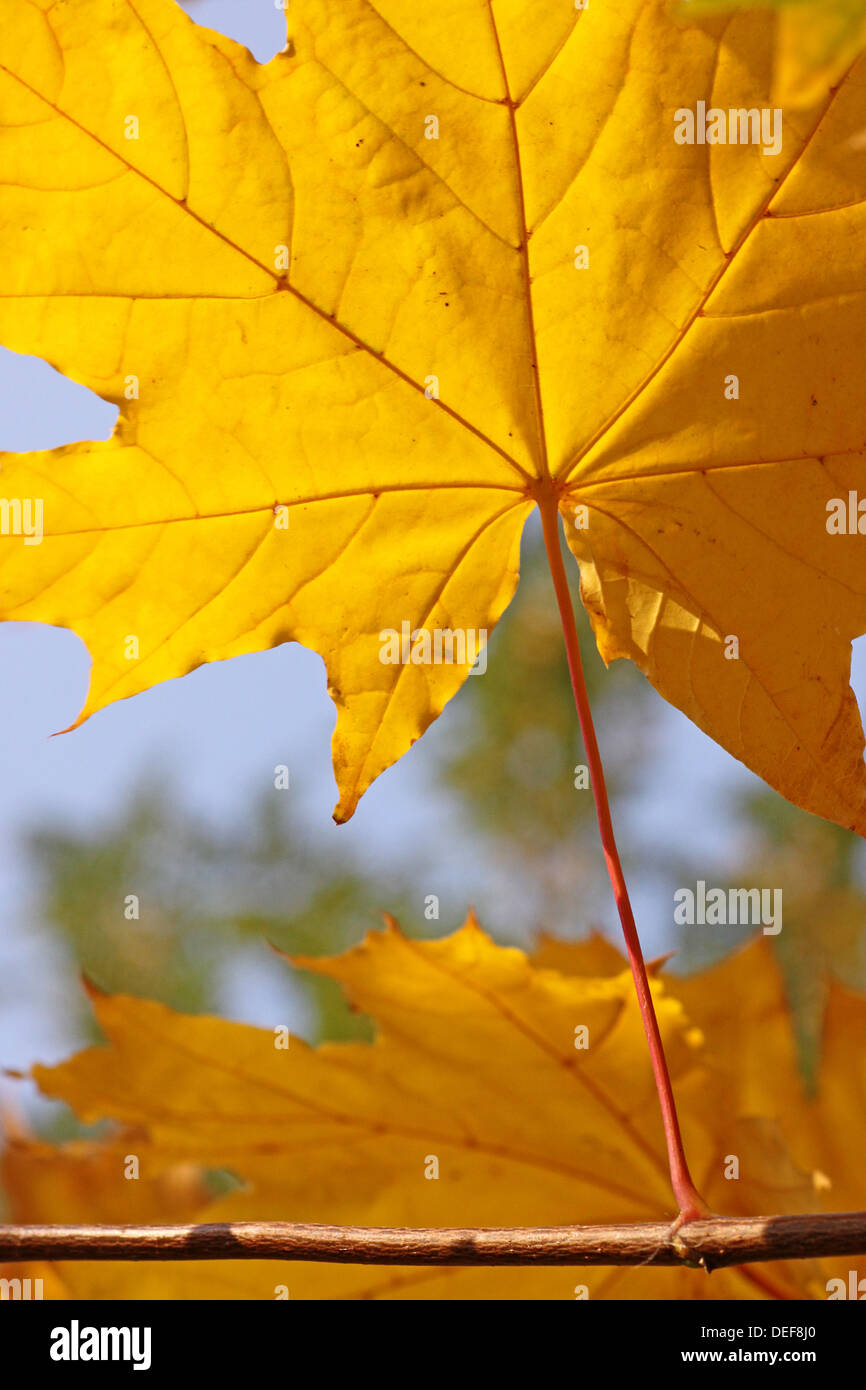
x,y
712,1243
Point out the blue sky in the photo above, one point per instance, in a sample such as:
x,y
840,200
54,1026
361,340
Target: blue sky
x,y
220,731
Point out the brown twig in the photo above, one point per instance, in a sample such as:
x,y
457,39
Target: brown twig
x,y
712,1243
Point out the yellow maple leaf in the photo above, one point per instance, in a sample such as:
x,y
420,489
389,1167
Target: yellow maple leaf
x,y
473,1107
365,306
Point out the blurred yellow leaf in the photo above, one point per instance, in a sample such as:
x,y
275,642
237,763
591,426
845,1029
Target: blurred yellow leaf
x,y
86,1181
817,40
474,1106
365,306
